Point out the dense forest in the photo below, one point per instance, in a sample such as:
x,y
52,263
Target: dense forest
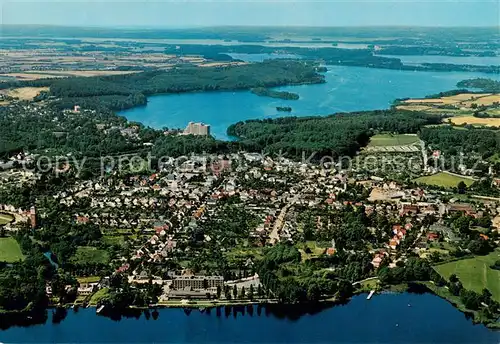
x,y
21,130
335,135
452,141
118,92
485,85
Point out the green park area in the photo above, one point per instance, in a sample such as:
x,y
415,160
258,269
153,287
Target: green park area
x,y
86,254
89,279
99,295
10,251
444,179
475,273
311,249
382,140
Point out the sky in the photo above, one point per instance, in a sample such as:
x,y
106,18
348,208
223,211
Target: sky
x,y
188,13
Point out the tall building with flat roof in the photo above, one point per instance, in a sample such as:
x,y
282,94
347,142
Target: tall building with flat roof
x,y
197,282
197,128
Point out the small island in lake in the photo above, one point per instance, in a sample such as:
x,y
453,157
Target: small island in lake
x,y
284,108
265,92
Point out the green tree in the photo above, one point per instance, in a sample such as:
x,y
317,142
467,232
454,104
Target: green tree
x,y
461,187
235,292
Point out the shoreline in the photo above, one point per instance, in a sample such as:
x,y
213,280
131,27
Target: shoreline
x,y
32,317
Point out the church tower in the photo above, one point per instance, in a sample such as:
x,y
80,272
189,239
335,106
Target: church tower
x,y
33,217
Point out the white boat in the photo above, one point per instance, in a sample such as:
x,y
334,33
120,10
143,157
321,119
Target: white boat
x,y
370,295
99,310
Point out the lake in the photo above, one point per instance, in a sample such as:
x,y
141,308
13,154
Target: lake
x,y
386,318
346,89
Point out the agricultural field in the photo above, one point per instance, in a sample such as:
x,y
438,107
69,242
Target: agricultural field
x,y
392,140
444,179
476,121
460,107
459,101
25,93
10,251
85,254
475,273
5,218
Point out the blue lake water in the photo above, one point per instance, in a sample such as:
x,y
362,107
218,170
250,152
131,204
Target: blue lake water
x,y
384,319
346,89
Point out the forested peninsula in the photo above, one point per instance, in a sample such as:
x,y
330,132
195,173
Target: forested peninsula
x,y
120,92
485,85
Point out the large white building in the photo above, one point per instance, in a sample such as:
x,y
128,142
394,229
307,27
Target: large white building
x,y
197,129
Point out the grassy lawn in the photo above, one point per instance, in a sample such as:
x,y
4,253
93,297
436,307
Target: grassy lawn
x,y
444,179
101,294
114,240
392,140
315,250
5,218
370,285
90,254
475,273
240,252
89,279
10,251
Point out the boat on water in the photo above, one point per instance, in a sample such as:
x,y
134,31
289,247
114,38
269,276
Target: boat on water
x,y
370,295
100,309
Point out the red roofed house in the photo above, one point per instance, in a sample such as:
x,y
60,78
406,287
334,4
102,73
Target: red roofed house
x,y
408,209
483,236
82,219
432,236
123,268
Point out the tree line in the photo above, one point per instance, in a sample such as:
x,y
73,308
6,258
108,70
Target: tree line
x,y
334,135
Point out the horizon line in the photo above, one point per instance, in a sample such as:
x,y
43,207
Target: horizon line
x,y
120,27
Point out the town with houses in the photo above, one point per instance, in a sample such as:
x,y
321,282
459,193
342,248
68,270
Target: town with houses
x,y
210,229
161,214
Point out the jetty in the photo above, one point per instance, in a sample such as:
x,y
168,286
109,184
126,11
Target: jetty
x,y
370,295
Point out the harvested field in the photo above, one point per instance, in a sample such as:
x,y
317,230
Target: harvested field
x,y
48,74
463,100
487,101
467,96
25,93
29,76
88,73
489,122
413,107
